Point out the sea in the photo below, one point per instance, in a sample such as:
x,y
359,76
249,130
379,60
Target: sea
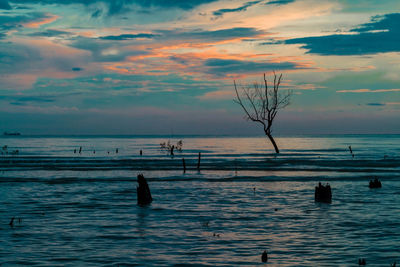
x,y
74,202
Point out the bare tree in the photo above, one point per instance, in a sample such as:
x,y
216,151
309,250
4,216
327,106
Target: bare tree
x,y
261,103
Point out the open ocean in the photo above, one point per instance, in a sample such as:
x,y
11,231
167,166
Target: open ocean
x,y
80,209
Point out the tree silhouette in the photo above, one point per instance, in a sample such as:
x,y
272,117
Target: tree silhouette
x,y
261,103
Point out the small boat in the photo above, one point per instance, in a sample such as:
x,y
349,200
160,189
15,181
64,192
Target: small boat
x,y
11,133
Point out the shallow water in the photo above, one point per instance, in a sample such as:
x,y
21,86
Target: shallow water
x,y
80,209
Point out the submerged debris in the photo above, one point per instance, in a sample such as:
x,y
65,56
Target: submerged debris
x,y
12,222
323,193
143,191
375,183
264,256
362,261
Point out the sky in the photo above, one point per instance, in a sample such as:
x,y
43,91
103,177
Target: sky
x,y
167,67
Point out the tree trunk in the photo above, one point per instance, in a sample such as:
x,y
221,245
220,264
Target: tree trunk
x,y
273,142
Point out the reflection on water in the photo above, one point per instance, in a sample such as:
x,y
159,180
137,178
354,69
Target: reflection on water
x,y
86,215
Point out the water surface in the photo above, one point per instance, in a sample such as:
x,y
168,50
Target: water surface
x,y
80,209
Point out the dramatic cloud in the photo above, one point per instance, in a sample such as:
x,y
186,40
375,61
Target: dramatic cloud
x,y
114,6
380,36
98,56
12,22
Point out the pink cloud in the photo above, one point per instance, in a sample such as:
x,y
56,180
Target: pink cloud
x,y
36,24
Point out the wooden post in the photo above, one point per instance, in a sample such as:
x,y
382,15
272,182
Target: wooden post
x,y
184,165
198,162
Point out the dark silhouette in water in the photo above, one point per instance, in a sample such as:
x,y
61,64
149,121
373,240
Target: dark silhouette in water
x,y
12,222
116,151
362,262
351,151
323,193
198,162
80,150
75,151
143,191
11,133
261,103
184,165
393,265
141,152
264,256
172,150
375,183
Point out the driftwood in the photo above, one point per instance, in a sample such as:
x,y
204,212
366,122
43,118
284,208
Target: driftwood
x,y
143,191
323,193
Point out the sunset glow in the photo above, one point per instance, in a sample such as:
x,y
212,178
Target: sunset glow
x,y
60,60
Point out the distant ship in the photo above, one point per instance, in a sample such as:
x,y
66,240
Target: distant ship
x,y
10,133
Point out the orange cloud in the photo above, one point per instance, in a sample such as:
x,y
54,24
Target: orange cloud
x,y
216,95
36,24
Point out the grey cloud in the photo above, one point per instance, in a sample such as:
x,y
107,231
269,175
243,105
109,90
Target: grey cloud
x,y
50,33
222,67
280,2
244,7
102,50
206,36
16,58
127,36
11,22
118,6
380,36
27,100
4,5
101,47
376,104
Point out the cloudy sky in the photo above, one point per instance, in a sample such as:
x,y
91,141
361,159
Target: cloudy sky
x,y
167,67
